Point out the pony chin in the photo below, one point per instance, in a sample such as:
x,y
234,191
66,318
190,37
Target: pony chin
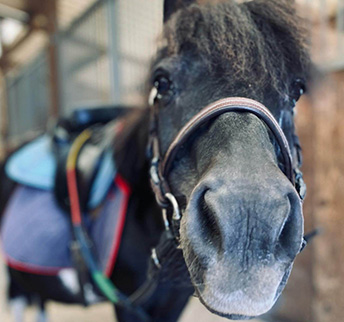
x,y
255,292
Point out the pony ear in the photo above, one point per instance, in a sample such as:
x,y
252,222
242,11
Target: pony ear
x,y
171,6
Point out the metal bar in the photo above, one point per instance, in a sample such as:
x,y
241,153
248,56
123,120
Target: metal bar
x,y
88,44
83,17
84,62
52,52
129,57
72,33
113,52
3,116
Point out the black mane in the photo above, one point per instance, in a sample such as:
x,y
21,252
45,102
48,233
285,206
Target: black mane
x,y
258,44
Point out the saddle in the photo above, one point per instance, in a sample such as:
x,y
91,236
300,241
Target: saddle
x,y
42,163
33,225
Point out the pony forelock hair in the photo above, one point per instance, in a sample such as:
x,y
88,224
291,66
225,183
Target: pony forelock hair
x,y
260,42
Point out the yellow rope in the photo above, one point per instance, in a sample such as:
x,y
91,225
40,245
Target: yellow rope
x,y
76,147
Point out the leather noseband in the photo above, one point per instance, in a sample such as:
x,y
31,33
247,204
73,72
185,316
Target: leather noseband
x,y
161,167
231,104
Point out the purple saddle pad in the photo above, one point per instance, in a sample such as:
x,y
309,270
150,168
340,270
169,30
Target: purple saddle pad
x,y
36,233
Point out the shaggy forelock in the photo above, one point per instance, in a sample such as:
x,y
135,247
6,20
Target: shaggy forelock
x,y
259,44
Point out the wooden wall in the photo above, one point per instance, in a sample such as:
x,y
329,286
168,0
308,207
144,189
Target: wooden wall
x,y
328,201
315,292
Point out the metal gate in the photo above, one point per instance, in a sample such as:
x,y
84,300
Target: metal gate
x,y
104,58
105,54
27,101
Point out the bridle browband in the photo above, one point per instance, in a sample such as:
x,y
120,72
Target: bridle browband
x,y
161,166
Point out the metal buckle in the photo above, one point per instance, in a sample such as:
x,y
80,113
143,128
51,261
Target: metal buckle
x,y
152,96
176,211
154,172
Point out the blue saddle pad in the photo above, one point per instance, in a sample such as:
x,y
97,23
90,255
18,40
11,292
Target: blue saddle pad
x,y
36,233
34,165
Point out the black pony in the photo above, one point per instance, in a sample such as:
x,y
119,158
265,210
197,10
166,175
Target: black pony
x,y
241,222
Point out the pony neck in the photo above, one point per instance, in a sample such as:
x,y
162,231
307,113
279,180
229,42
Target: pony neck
x,y
130,147
132,162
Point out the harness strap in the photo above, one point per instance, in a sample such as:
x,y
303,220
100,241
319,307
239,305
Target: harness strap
x,y
85,246
231,104
161,166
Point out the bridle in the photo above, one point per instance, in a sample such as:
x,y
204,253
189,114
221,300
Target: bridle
x,y
166,255
161,165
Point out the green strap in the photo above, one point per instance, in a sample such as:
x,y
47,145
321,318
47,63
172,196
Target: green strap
x,y
105,286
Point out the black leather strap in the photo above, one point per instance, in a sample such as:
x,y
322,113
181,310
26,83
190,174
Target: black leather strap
x,y
161,167
231,104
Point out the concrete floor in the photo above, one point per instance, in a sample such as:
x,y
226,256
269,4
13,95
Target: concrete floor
x,y
101,312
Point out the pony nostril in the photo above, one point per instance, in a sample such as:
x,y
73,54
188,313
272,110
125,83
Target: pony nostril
x,y
289,241
286,236
210,229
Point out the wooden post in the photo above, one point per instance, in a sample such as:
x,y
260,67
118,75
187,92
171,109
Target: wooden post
x,y
328,271
44,17
51,28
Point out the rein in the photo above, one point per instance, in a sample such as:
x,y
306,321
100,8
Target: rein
x,y
82,246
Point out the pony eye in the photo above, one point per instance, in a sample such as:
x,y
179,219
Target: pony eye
x,y
163,86
297,89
